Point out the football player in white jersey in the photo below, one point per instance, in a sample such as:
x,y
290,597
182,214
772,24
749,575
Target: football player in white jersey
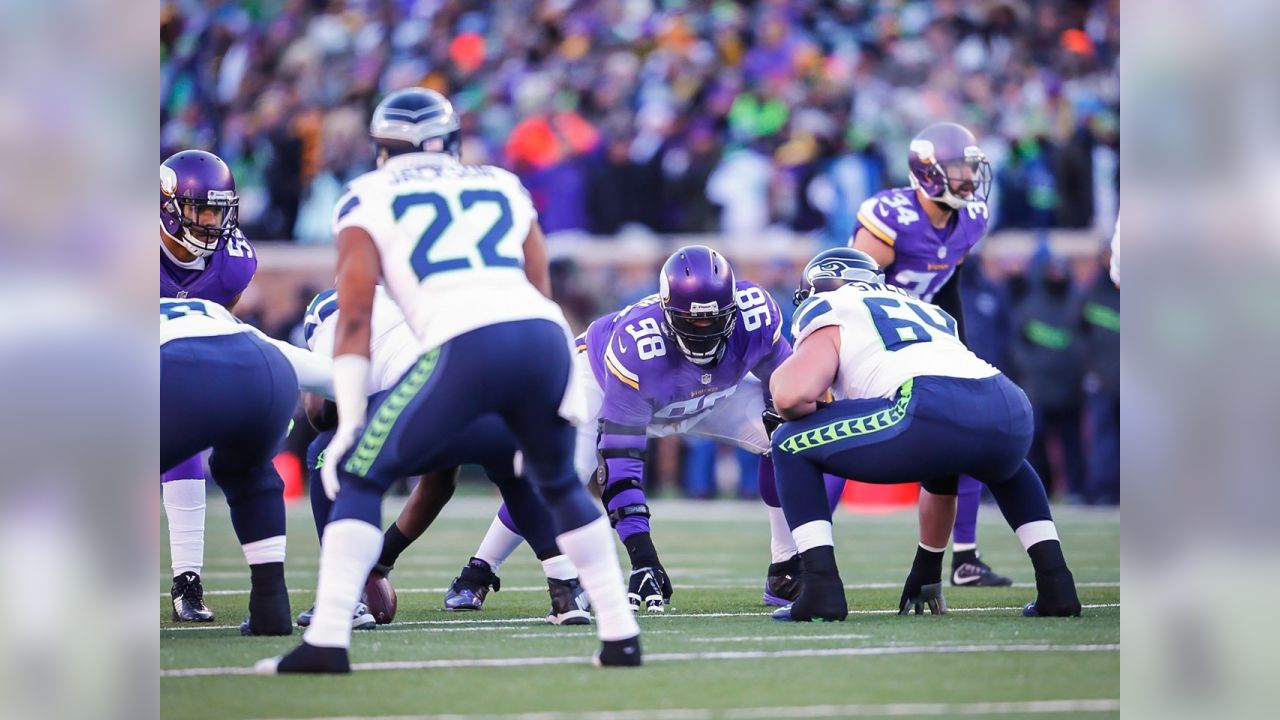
x,y
448,241
911,402
226,386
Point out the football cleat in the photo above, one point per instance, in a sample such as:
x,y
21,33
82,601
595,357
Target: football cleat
x,y
468,590
822,600
361,618
618,653
306,659
569,605
1055,596
645,590
782,585
930,596
976,573
188,599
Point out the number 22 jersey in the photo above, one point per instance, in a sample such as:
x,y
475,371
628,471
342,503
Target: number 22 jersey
x,y
451,240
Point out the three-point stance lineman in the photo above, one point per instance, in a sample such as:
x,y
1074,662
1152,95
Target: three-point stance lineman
x,y
912,402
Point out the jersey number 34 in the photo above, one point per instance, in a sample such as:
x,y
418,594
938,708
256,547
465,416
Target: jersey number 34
x,y
487,244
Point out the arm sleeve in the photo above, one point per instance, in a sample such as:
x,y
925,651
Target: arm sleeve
x,y
948,298
315,372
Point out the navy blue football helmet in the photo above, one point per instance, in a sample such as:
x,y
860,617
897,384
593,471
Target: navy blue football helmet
x,y
834,268
415,120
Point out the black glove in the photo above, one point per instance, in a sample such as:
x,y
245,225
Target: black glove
x,y
664,582
771,419
924,585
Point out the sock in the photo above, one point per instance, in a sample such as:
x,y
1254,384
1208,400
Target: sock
x,y
961,554
641,550
184,506
819,560
267,550
1040,540
349,550
498,544
782,546
393,543
559,568
267,578
591,550
928,562
968,498
813,534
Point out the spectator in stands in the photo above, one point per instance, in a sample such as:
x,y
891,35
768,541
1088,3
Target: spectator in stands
x,y
1098,326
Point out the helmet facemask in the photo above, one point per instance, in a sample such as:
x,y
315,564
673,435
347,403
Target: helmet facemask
x,y
958,182
207,223
701,334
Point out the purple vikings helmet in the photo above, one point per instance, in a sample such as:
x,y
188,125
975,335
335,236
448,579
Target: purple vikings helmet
x,y
948,166
198,201
699,301
835,268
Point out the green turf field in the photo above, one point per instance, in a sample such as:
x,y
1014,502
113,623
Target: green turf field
x,y
714,654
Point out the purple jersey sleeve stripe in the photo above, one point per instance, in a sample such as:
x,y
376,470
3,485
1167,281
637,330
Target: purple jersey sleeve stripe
x,y
871,225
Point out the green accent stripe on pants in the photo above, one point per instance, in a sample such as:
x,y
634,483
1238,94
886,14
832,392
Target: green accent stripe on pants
x,y
375,435
851,427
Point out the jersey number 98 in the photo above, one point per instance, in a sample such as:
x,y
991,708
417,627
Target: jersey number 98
x,y
649,342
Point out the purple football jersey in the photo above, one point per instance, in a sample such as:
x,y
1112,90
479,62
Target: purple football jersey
x,y
646,379
226,273
925,257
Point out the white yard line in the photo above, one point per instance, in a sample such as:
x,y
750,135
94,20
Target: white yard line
x,y
1031,707
678,657
677,615
717,586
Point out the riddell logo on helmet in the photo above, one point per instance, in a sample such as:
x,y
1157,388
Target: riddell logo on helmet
x,y
707,307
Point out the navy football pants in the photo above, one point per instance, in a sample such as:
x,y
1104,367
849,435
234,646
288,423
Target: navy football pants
x,y
517,371
235,394
935,429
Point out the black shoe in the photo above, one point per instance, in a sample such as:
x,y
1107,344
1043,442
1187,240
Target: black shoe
x,y
782,584
645,590
1055,596
468,590
306,659
821,590
569,605
268,614
188,599
975,573
618,653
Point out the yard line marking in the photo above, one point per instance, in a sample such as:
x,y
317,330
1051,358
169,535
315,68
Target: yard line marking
x,y
678,615
718,586
1032,707
677,657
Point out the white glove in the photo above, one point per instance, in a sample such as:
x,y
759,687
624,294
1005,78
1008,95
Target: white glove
x,y
344,438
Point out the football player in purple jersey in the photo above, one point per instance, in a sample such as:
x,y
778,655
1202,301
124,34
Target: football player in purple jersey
x,y
203,255
920,235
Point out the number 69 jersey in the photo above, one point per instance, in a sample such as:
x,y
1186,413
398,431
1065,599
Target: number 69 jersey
x,y
451,239
925,257
645,378
886,338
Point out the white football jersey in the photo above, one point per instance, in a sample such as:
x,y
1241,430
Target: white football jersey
x,y
451,239
392,346
886,338
196,318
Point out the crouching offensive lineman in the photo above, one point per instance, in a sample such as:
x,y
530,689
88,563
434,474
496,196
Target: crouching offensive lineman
x,y
912,402
225,386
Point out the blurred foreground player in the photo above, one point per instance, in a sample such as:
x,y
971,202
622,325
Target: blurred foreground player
x,y
487,443
225,386
203,254
911,402
920,235
449,240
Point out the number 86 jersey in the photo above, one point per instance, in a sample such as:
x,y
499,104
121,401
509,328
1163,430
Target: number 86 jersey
x,y
647,380
451,241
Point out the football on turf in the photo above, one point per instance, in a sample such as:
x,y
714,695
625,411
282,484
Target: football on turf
x,y
381,596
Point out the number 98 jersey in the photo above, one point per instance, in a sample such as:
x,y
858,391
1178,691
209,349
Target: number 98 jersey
x,y
925,257
451,240
886,338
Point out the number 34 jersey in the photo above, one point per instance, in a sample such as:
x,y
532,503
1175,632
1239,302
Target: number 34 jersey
x,y
886,338
451,240
645,377
925,257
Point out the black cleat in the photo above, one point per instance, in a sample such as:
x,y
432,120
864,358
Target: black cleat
x,y
821,590
188,599
1055,596
618,653
468,590
268,614
306,659
569,605
644,590
975,573
782,585
930,596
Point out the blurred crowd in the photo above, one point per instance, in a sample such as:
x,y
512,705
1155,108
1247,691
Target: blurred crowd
x,y
677,116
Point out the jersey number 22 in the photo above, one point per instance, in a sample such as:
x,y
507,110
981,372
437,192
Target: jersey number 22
x,y
487,244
